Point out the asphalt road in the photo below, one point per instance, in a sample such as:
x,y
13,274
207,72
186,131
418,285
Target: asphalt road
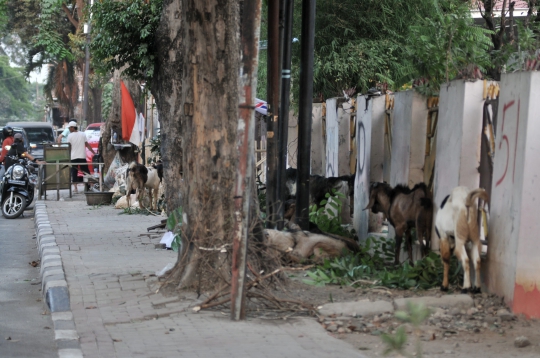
x,y
26,327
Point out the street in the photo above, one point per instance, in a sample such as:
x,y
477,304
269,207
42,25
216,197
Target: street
x,y
26,327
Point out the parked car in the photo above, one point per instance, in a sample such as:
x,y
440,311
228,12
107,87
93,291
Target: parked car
x,y
93,134
39,133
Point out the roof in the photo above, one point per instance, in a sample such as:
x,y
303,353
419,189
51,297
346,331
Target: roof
x,y
499,3
95,125
29,124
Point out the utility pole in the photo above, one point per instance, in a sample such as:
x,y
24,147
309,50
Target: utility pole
x,y
305,112
86,66
283,126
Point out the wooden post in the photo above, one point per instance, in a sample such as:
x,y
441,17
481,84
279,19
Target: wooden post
x,y
245,143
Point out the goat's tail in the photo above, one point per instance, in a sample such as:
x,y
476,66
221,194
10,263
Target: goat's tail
x,y
132,165
473,195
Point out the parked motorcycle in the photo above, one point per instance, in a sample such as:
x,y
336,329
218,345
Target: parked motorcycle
x,y
17,188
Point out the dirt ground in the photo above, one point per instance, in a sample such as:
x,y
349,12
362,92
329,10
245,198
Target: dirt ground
x,y
487,330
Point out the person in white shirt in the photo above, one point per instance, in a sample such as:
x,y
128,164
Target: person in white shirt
x,y
62,138
78,153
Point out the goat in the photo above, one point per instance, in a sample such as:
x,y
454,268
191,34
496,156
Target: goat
x,y
139,178
404,208
456,224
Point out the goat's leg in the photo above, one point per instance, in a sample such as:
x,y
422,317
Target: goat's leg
x,y
445,258
461,254
409,244
400,230
474,256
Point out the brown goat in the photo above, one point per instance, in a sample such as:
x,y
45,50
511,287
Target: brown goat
x,y
404,208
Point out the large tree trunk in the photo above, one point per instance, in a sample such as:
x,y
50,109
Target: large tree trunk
x,y
208,117
166,87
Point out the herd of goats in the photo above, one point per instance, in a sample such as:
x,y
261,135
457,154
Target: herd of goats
x,y
456,222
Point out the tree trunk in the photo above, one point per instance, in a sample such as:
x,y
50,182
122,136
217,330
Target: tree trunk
x,y
166,87
114,122
207,112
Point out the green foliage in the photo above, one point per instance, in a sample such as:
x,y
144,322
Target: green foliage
x,y
414,315
447,44
174,224
135,211
51,38
16,95
329,219
123,35
106,101
155,149
374,263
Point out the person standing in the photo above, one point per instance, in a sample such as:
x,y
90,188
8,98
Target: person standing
x,y
78,154
62,138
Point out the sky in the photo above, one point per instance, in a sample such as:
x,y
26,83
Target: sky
x,y
39,76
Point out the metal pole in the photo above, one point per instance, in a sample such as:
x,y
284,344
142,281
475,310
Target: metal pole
x,y
250,23
304,115
86,74
284,110
273,107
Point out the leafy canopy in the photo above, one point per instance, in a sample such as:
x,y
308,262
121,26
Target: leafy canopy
x,y
123,35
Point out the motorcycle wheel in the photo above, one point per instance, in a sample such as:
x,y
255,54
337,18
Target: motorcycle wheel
x,y
13,206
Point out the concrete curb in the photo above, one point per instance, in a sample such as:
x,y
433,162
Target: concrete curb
x,y
54,286
371,308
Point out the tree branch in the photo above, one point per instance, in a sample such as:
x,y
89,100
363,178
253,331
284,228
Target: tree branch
x,y
69,16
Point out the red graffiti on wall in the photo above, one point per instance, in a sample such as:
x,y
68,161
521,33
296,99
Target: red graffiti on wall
x,y
505,139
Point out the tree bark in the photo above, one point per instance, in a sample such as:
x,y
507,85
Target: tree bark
x,y
203,108
166,87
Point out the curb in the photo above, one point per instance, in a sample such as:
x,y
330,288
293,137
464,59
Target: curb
x,y
54,286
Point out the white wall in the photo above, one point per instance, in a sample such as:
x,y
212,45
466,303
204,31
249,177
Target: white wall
x,y
364,130
459,131
318,142
513,268
408,138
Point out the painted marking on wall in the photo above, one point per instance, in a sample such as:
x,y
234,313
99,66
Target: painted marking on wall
x,y
504,138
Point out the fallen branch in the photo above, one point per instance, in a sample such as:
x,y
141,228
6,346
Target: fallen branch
x,y
366,282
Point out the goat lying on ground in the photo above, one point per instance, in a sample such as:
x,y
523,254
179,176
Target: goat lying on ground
x,y
138,178
404,208
456,225
300,245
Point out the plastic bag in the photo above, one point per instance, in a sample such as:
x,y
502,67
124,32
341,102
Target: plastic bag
x,y
110,178
164,270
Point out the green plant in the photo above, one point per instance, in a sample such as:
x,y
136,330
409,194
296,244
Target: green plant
x,y
174,224
123,35
372,265
155,148
133,211
414,315
329,219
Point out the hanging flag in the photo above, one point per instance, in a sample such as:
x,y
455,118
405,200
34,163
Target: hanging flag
x,y
128,113
261,106
137,134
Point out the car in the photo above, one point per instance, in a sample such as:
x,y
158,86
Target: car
x,y
25,137
93,134
38,133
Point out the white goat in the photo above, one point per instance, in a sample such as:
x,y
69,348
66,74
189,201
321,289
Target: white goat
x,y
456,225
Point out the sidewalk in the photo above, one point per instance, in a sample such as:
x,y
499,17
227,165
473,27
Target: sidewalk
x,y
106,259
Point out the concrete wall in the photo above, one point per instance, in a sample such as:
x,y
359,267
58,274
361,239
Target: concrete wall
x,y
364,131
338,115
318,141
513,269
459,132
408,138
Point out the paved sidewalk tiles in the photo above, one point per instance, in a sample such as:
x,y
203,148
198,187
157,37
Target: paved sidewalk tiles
x,y
107,261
